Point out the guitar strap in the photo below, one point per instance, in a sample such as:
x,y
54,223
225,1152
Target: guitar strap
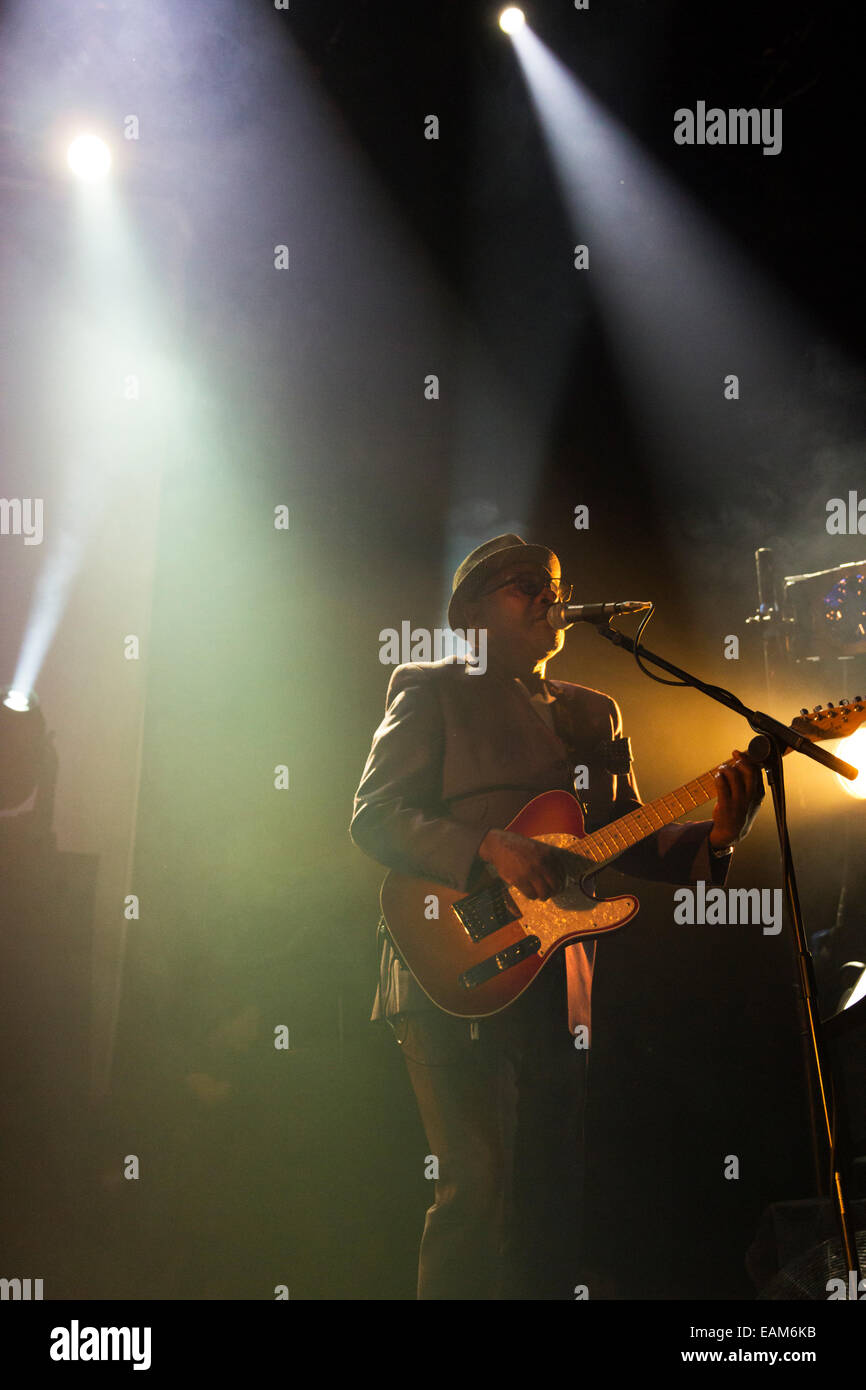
x,y
613,754
617,755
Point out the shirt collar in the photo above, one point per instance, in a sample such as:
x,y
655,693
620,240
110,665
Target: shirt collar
x,y
544,695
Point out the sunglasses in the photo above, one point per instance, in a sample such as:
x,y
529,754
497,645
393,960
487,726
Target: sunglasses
x,y
532,585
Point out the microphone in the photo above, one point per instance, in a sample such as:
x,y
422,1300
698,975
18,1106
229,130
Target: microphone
x,y
562,615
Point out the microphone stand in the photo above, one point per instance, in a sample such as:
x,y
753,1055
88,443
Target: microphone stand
x,y
772,738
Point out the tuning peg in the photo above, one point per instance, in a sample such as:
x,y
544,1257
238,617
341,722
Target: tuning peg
x,y
844,702
817,707
830,704
804,710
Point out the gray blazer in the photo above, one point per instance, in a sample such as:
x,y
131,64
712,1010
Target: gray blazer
x,y
459,753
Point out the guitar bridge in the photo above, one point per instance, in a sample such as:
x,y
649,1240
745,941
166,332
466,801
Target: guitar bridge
x,y
503,960
484,912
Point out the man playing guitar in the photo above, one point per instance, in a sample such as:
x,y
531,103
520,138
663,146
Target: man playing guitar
x,y
457,756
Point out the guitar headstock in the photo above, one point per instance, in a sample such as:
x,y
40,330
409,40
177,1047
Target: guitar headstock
x,y
836,721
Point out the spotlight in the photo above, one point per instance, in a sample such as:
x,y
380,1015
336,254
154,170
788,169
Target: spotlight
x,y
88,157
16,700
511,19
853,750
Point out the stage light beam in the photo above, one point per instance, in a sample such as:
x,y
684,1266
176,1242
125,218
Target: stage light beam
x,y
511,19
89,158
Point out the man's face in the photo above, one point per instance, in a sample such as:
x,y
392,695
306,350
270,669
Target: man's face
x,y
516,621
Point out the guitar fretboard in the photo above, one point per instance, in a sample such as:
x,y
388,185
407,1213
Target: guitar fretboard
x,y
605,844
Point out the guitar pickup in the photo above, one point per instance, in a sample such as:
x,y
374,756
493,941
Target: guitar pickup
x,y
503,960
484,912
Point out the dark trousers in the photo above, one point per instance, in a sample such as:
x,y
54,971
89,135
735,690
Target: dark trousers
x,y
503,1115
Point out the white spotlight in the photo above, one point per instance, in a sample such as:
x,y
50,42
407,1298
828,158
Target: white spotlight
x,y
511,19
88,157
853,750
17,700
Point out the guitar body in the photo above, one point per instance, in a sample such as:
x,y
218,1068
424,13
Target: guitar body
x,y
485,947
474,953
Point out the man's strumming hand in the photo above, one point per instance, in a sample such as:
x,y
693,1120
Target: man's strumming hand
x,y
536,870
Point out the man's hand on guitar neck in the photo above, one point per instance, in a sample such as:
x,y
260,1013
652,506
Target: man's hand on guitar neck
x,y
740,785
535,869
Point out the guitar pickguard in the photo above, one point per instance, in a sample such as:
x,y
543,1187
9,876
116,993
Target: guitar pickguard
x,y
574,913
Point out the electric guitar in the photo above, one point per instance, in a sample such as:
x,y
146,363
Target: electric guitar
x,y
474,954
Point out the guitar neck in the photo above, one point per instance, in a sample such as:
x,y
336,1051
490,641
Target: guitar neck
x,y
609,842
